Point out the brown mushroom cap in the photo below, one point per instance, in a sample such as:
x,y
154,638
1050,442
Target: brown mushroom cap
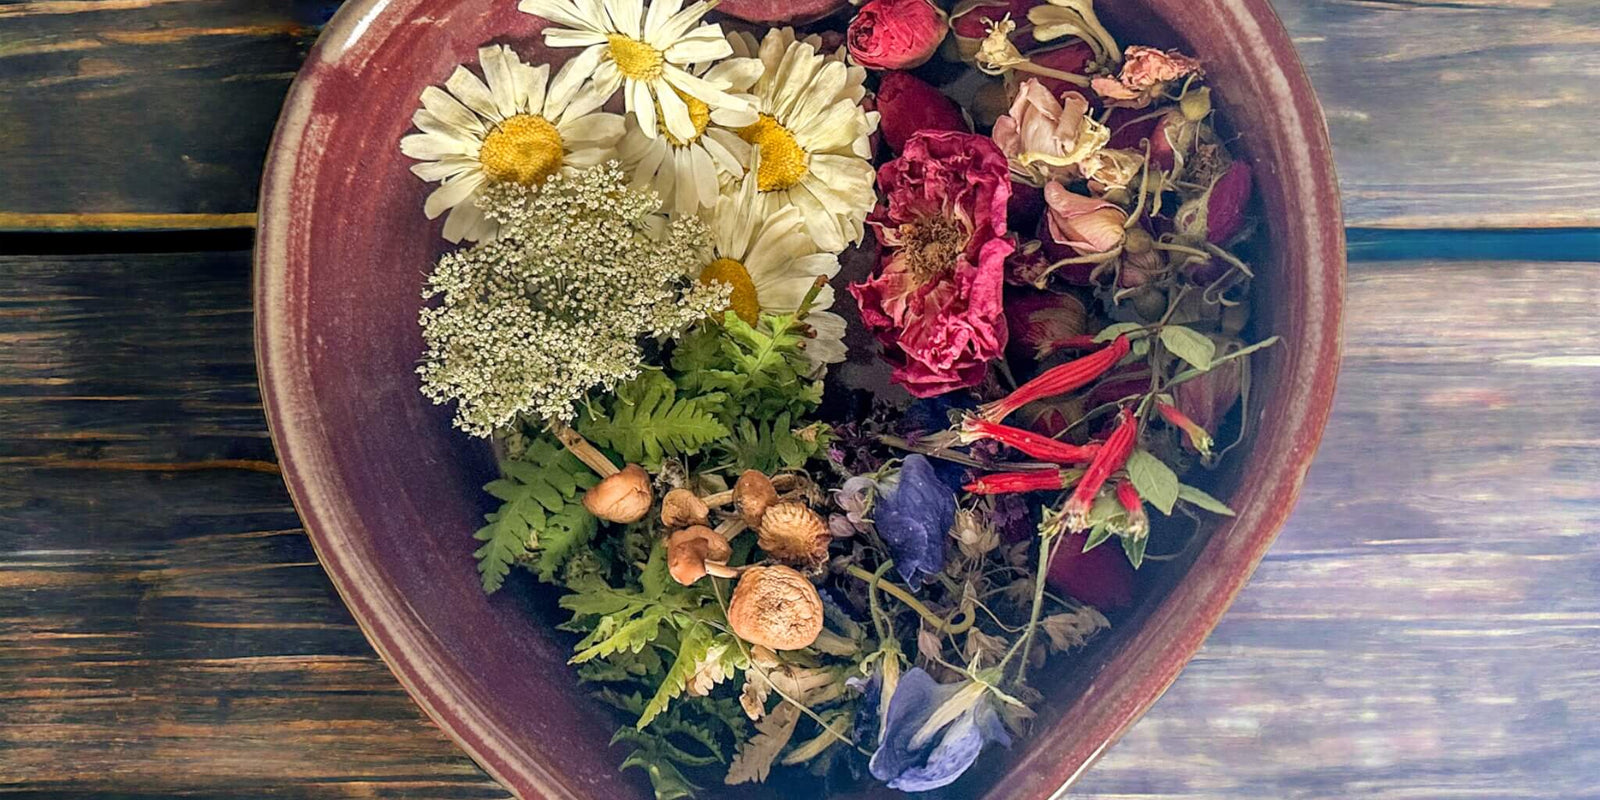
x,y
775,607
752,495
624,497
688,551
681,508
795,535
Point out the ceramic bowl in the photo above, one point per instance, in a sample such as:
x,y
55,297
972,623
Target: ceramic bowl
x,y
390,493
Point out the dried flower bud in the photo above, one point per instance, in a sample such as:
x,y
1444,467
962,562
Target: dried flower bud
x,y
1086,225
907,105
752,495
1207,399
624,497
1039,320
1102,577
775,607
895,34
795,535
681,508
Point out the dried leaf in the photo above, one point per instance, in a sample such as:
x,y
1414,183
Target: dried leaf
x,y
754,760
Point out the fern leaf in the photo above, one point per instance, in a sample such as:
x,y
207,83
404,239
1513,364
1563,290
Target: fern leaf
x,y
692,650
631,636
756,754
538,495
648,421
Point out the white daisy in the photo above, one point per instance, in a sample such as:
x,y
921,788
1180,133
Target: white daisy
x,y
511,129
772,263
812,137
688,174
645,53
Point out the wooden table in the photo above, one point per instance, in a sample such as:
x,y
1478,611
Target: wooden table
x,y
1427,626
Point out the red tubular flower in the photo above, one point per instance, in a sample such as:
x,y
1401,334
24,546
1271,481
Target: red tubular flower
x,y
895,34
1199,439
1113,454
1030,443
934,301
1035,480
907,105
1138,520
1058,380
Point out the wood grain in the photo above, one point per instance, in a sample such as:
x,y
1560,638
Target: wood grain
x,y
122,113
1428,625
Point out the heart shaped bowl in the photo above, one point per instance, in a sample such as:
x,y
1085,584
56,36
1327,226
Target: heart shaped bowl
x,y
389,493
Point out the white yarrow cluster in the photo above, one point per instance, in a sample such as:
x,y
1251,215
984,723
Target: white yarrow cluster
x,y
583,271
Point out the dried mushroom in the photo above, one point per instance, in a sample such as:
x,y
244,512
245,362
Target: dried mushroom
x,y
795,535
624,497
681,508
776,607
694,552
753,494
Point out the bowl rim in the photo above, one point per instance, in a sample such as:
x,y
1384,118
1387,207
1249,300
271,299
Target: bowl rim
x,y
1182,621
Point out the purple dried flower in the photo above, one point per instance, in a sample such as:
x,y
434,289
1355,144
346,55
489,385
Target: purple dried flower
x,y
915,756
913,514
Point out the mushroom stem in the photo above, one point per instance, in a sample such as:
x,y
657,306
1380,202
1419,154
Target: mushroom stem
x,y
721,570
782,483
729,528
580,447
940,624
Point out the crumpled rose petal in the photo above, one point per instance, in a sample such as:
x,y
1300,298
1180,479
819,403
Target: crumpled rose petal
x,y
895,34
1085,224
1145,73
908,105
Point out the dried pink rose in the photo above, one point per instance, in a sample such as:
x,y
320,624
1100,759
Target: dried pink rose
x,y
1085,224
935,300
1045,138
1145,73
895,34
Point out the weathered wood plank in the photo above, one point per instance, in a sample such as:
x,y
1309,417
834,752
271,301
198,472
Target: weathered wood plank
x,y
1428,625
124,113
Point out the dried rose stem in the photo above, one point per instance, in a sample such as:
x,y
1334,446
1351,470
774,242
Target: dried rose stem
x,y
782,483
580,447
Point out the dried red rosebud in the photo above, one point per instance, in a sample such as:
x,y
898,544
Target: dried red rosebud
x,y
1072,58
1029,443
1226,203
1138,525
907,105
895,34
1198,438
1207,399
1102,577
1113,454
1035,480
1130,127
1039,320
1059,380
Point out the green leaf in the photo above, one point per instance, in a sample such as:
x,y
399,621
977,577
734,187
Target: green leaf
x,y
665,779
1116,329
1134,549
692,649
647,421
631,636
1097,536
540,513
1189,345
1156,482
1200,499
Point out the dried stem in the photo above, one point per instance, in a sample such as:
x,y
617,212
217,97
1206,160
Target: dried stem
x,y
587,453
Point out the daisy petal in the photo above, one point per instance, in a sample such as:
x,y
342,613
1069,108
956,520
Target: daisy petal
x,y
642,105
452,193
706,92
679,24
557,11
472,93
720,155
625,15
433,147
497,72
705,176
697,49
444,168
533,81
675,112
591,129
566,37
660,11
450,111
571,76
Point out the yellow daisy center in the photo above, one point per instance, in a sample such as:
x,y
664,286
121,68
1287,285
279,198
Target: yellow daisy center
x,y
743,299
783,161
635,59
699,114
524,149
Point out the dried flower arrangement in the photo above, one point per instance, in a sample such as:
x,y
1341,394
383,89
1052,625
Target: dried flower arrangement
x,y
767,567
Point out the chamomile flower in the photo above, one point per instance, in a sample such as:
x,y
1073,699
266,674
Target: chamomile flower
x,y
643,52
771,263
506,127
689,174
811,137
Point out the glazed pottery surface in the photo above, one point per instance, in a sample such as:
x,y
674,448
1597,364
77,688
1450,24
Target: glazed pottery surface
x,y
390,493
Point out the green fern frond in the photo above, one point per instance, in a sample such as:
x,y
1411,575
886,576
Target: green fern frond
x,y
539,513
648,421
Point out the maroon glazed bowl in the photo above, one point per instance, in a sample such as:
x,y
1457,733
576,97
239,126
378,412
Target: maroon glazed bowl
x,y
390,493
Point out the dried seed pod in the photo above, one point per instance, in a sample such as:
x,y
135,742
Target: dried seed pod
x,y
681,508
624,497
795,535
775,607
752,495
688,551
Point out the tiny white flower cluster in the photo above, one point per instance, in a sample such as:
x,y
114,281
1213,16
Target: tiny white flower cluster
x,y
582,271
